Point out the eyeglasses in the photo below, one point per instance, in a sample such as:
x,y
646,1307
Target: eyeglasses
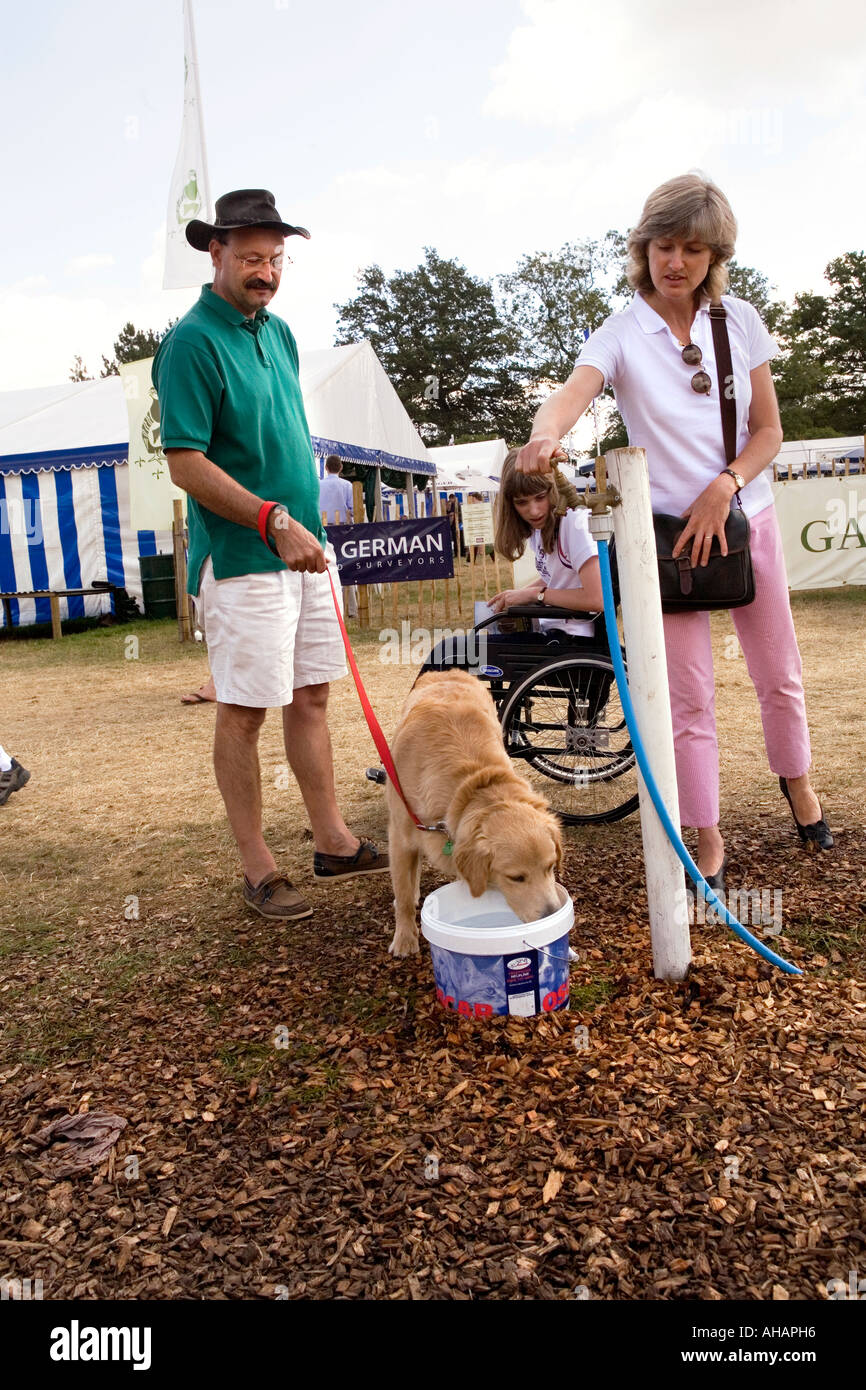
x,y
258,262
701,382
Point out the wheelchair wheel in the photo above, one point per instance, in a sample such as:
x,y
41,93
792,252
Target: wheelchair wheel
x,y
565,723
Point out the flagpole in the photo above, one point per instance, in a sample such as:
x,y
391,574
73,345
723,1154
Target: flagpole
x,y
194,47
585,334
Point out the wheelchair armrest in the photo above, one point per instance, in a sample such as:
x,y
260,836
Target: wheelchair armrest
x,y
543,610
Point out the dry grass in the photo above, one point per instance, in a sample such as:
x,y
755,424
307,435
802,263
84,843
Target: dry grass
x,y
122,805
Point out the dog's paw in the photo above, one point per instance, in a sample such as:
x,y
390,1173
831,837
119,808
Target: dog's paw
x,y
405,944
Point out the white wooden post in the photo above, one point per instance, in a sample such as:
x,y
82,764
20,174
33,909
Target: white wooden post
x,y
648,681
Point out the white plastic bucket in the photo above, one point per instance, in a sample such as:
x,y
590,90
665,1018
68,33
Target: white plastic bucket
x,y
486,961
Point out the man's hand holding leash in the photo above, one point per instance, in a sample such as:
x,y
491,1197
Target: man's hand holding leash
x,y
296,546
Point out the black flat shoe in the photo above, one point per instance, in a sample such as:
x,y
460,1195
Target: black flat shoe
x,y
716,881
818,833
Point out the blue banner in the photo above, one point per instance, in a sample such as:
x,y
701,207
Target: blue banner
x,y
393,552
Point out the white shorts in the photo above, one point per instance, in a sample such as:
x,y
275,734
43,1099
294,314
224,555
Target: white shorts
x,y
268,634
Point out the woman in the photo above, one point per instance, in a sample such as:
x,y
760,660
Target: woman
x,y
529,509
648,353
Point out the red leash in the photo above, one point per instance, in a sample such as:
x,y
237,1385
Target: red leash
x,y
372,722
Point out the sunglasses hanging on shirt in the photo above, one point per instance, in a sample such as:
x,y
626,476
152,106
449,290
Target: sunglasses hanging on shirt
x,y
701,382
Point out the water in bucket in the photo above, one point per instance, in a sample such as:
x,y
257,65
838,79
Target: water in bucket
x,y
486,961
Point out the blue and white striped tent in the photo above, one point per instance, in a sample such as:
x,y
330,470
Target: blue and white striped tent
x,y
64,496
64,473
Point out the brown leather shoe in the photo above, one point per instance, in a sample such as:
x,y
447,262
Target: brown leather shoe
x,y
276,897
367,859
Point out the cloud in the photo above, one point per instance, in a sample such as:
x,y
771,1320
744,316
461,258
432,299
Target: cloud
x,y
792,188
31,283
94,261
41,351
572,64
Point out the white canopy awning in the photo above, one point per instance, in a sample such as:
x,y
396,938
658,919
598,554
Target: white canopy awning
x,y
354,411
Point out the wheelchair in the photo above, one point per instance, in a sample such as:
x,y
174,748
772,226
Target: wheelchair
x,y
559,708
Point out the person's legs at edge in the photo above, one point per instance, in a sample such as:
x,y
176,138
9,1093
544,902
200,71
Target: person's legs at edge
x,y
696,750
12,776
765,629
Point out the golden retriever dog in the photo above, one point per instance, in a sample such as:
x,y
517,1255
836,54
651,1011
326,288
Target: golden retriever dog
x,y
453,768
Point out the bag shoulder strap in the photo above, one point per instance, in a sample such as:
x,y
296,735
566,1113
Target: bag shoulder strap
x,y
724,366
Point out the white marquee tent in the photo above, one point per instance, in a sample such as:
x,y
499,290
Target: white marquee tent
x,y
463,468
64,477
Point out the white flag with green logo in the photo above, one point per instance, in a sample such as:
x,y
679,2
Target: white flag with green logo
x,y
189,196
151,491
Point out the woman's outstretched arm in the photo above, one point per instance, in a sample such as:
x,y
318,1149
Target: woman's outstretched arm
x,y
559,413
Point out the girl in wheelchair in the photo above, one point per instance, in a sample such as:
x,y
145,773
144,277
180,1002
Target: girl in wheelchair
x,y
553,688
539,509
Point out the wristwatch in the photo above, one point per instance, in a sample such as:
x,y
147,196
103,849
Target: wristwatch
x,y
542,592
737,477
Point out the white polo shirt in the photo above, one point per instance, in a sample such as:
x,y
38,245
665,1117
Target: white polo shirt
x,y
561,568
681,431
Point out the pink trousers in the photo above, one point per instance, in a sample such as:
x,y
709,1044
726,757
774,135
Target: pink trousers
x,y
765,630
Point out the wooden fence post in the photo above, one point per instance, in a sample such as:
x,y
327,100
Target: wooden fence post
x,y
359,512
184,627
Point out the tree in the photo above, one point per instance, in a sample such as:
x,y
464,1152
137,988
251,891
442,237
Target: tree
x,y
820,375
131,345
438,334
78,371
845,345
749,284
553,299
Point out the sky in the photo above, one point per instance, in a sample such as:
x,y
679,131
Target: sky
x,y
488,129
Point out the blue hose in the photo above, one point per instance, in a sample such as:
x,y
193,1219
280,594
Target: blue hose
x,y
650,781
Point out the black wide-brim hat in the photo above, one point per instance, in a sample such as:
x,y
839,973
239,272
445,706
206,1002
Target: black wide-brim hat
x,y
246,207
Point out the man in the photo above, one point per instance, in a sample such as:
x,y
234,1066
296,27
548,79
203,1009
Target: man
x,y
452,511
335,494
335,505
235,435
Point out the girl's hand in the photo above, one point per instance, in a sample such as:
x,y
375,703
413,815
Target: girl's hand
x,y
510,597
706,518
537,455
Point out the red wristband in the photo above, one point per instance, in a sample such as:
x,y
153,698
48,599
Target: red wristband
x,y
264,512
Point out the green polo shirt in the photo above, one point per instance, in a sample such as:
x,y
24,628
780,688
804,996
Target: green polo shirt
x,y
228,386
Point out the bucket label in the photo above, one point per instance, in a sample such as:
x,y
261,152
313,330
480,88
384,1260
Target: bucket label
x,y
521,984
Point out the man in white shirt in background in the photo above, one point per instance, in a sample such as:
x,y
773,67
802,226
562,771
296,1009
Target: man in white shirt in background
x,y
335,504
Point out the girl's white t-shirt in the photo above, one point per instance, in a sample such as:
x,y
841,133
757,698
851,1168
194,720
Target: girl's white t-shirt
x,y
560,569
681,431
